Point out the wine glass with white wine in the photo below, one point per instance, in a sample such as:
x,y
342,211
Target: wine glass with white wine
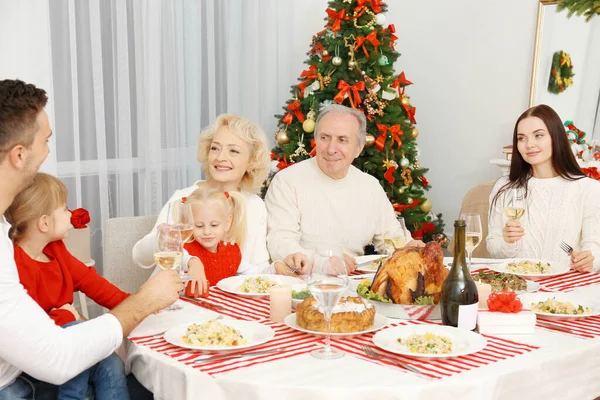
x,y
396,240
168,250
473,234
180,218
327,281
515,206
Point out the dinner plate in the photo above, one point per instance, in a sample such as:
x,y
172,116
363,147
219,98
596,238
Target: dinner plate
x,y
532,286
556,268
464,342
379,322
364,262
530,298
253,332
232,284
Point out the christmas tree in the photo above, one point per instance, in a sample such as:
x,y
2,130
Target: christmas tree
x,y
587,8
351,63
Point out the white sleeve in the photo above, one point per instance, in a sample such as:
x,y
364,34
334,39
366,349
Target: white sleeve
x,y
283,218
33,343
496,245
255,249
590,235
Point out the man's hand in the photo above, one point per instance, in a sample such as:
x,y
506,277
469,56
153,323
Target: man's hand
x,y
161,290
513,231
298,262
582,261
350,263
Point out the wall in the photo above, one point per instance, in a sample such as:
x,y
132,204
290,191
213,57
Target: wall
x,y
25,51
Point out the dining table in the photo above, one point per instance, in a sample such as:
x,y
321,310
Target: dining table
x,y
560,360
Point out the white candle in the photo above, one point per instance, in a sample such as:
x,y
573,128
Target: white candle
x,y
483,290
280,298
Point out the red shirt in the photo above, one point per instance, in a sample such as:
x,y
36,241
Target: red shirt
x,y
220,265
51,284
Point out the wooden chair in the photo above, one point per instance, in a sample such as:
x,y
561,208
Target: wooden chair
x,y
477,201
120,235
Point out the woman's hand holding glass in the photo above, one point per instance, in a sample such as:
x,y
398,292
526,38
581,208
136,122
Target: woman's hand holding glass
x,y
513,212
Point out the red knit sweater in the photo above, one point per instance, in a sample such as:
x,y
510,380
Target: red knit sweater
x,y
220,265
51,284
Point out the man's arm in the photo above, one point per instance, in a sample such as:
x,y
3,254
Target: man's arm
x,y
283,219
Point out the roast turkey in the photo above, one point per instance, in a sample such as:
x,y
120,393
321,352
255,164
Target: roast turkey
x,y
411,273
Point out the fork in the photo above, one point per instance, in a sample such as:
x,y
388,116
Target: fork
x,y
566,248
373,354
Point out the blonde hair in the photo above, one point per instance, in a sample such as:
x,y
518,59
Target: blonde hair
x,y
45,195
232,203
248,131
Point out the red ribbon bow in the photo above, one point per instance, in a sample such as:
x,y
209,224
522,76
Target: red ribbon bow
x,y
391,29
396,132
283,164
344,88
375,5
338,17
310,74
371,38
410,111
402,207
313,145
592,172
294,107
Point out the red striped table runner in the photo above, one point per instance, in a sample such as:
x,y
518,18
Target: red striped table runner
x,y
244,308
497,349
583,327
295,343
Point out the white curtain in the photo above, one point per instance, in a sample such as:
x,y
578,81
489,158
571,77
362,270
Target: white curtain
x,y
135,81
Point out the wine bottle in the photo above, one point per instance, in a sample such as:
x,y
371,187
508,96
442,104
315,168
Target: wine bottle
x,y
459,300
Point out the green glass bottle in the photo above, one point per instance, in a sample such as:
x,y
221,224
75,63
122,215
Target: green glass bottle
x,y
459,300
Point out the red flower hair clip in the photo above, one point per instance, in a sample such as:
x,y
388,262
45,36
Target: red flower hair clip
x,y
80,217
183,200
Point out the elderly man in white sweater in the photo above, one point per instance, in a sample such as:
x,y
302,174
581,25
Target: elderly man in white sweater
x,y
32,346
325,200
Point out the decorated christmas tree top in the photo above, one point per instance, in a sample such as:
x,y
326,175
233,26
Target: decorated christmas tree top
x,y
351,63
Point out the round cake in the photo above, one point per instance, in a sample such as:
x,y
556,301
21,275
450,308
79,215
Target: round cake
x,y
351,314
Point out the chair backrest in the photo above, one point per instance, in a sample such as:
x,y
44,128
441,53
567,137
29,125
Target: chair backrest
x,y
477,201
120,235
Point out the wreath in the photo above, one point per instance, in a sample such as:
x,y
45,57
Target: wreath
x,y
561,74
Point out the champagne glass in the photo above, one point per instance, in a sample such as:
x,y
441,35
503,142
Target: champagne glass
x,y
168,249
327,281
180,218
515,206
473,234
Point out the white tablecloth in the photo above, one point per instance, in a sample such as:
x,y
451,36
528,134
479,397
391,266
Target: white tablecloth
x,y
565,367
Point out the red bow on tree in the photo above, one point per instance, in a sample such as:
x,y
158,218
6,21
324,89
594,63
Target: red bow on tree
x,y
410,111
338,17
592,172
391,29
345,87
310,75
294,107
375,5
424,181
371,38
313,145
283,164
394,130
401,207
426,227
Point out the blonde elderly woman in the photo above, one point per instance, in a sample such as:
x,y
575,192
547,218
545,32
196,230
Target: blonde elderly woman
x,y
235,157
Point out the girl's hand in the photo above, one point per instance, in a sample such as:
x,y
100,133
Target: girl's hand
x,y
513,231
198,286
582,261
71,309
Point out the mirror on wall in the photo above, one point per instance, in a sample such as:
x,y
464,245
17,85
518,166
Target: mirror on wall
x,y
579,102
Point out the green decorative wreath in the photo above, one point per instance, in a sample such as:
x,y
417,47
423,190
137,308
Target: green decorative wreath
x,y
561,74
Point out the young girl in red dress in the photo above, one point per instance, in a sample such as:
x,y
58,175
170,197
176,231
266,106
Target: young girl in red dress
x,y
39,221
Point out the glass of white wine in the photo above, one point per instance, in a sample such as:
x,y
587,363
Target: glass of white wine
x,y
168,250
473,234
396,240
515,206
180,218
327,281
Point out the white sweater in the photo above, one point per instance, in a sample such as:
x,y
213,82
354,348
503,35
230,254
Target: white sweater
x,y
307,208
557,210
30,341
255,258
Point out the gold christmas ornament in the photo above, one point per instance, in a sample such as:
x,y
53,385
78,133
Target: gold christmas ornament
x,y
352,64
406,176
426,206
373,104
405,100
370,140
401,190
414,132
337,61
308,125
282,137
416,164
325,53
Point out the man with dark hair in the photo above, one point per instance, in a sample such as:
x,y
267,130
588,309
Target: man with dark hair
x,y
32,346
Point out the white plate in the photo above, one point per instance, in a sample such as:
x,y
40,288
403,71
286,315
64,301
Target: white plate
x,y
379,322
532,286
556,268
464,341
530,298
253,332
363,262
232,284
